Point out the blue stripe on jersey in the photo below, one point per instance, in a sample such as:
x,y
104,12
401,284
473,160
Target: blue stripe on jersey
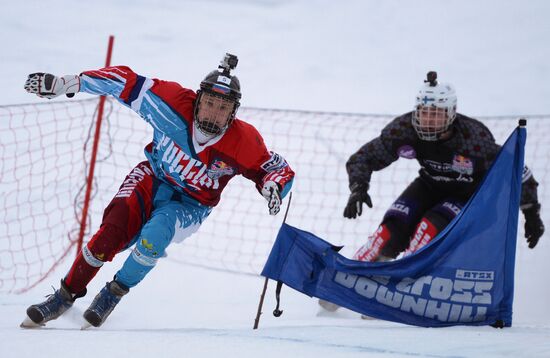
x,y
163,118
137,88
189,147
173,158
101,86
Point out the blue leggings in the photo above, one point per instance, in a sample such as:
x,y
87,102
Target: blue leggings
x,y
174,218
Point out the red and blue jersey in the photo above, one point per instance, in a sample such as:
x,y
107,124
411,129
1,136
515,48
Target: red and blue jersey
x,y
200,171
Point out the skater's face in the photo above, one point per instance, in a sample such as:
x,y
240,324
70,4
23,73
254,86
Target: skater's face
x,y
431,119
214,113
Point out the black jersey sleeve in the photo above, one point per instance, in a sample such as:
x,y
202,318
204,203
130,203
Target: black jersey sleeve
x,y
529,191
479,139
529,196
379,152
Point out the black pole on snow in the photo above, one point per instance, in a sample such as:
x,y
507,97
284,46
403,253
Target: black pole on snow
x,y
257,320
261,303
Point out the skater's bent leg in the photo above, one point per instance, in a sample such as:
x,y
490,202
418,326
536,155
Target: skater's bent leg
x,y
390,238
106,243
435,221
122,219
167,222
173,221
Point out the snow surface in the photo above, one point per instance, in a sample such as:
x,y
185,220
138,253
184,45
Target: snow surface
x,y
350,56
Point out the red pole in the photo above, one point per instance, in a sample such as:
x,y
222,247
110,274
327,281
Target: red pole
x,y
90,177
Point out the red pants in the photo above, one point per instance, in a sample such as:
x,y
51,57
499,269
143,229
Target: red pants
x,y
123,218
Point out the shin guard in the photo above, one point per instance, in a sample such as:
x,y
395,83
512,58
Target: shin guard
x,y
376,242
105,244
424,233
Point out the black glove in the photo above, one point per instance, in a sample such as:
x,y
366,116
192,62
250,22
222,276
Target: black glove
x,y
359,195
534,228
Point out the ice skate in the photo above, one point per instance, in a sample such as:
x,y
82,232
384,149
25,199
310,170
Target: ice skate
x,y
328,306
55,305
104,303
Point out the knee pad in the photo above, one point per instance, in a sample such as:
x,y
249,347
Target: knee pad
x,y
157,234
148,252
149,249
153,240
141,261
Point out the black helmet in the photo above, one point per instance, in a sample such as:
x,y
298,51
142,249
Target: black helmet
x,y
222,84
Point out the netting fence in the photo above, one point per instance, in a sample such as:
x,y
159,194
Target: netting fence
x,y
45,151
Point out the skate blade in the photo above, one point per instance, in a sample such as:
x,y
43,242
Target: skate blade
x,y
85,326
368,318
29,324
328,306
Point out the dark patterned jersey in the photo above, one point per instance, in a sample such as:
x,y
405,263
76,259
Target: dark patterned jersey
x,y
455,165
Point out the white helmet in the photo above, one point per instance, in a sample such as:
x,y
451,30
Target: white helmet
x,y
436,100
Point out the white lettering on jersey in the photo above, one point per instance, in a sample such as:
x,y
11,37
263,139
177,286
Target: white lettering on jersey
x,y
179,165
438,166
132,180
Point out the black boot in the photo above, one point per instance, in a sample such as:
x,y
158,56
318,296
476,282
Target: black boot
x,y
56,304
104,303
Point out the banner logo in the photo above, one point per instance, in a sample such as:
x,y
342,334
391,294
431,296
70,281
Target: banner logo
x,y
434,297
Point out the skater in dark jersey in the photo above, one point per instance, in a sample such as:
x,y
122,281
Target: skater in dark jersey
x,y
454,152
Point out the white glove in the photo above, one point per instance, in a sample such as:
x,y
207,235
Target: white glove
x,y
271,192
46,85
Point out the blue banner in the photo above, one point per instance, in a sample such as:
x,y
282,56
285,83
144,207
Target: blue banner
x,y
465,276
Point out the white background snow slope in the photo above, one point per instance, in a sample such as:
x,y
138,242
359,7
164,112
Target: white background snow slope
x,y
350,56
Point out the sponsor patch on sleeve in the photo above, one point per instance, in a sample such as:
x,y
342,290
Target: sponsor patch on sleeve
x,y
276,162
